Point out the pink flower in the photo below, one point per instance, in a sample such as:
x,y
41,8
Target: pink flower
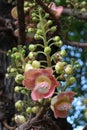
x,y
62,103
41,82
57,10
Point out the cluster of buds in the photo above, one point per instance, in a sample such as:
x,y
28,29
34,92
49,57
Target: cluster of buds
x,y
38,79
79,5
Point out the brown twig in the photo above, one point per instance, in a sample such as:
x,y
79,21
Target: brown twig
x,y
8,126
76,44
75,13
4,52
21,21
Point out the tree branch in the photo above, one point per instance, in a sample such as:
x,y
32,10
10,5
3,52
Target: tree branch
x,y
77,14
76,44
67,12
21,21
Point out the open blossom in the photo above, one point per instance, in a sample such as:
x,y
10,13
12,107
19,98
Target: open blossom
x,y
57,10
41,82
62,103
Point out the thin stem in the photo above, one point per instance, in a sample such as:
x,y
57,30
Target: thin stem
x,y
40,45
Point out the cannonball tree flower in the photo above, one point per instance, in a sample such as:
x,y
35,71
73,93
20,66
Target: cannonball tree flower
x,y
61,104
41,82
56,10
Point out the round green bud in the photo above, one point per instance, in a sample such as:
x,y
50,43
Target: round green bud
x,y
59,43
20,119
33,14
83,3
85,114
35,19
19,105
25,3
23,91
12,56
39,32
7,75
47,50
9,51
35,109
69,69
40,9
83,10
17,89
37,37
53,29
13,70
56,38
47,15
63,53
8,68
49,22
30,5
72,80
59,67
85,101
19,78
77,66
40,101
34,4
36,64
31,55
31,47
30,30
28,110
14,49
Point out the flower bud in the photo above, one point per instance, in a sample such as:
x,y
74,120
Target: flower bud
x,y
40,101
63,53
14,49
28,110
39,32
25,3
53,29
36,64
31,55
83,3
7,75
49,22
31,47
71,80
35,19
85,101
17,89
19,105
23,91
37,37
59,67
12,70
47,15
35,109
28,67
19,78
56,38
59,43
19,119
47,50
30,30
69,69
